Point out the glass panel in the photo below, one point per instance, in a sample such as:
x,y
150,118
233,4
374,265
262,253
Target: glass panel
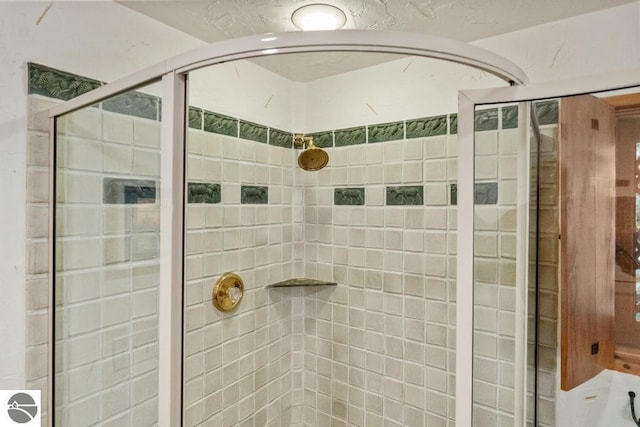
x,y
378,348
627,273
543,318
107,262
504,273
583,271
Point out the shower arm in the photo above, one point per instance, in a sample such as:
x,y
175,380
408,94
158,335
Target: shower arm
x,y
299,141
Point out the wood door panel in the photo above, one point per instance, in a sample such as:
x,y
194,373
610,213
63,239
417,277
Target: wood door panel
x,y
587,227
605,212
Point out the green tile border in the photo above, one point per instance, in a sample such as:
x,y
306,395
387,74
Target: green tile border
x,y
128,191
195,118
510,117
405,195
348,196
253,131
453,124
547,112
484,193
393,131
220,124
486,119
53,83
453,194
254,195
199,192
280,138
350,136
427,126
58,84
322,139
135,104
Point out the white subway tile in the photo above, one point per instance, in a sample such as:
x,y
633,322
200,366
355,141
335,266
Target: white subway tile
x,y
84,154
146,133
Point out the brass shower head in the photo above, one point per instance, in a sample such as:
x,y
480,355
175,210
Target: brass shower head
x,y
312,158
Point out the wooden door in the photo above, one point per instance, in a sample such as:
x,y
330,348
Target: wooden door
x,y
587,231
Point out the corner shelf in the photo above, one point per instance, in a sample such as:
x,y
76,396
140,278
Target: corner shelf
x,y
297,282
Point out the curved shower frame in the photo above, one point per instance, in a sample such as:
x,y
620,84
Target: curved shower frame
x,y
173,74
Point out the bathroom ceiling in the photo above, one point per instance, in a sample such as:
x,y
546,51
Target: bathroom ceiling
x,y
464,20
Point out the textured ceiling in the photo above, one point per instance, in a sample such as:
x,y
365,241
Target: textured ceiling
x,y
464,20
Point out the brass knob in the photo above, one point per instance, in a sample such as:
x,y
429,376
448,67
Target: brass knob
x,y
227,292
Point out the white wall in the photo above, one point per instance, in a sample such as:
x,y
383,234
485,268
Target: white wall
x,y
247,91
583,45
406,88
602,401
102,40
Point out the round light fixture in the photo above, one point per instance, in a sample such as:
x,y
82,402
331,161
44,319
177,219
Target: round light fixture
x,y
313,17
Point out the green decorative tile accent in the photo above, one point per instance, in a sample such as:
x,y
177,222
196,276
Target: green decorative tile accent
x,y
405,195
219,123
453,192
322,139
58,84
203,193
195,118
136,104
253,131
280,138
486,120
453,124
547,112
427,126
348,196
127,191
253,195
485,193
386,132
351,136
510,117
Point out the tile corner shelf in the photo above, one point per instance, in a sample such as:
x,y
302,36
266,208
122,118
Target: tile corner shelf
x,y
300,282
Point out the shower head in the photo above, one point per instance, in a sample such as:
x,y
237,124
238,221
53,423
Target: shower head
x,y
312,158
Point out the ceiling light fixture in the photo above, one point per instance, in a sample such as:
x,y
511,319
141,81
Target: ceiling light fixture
x,y
313,17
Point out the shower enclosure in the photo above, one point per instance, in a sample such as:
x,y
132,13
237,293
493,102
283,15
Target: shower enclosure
x,y
170,178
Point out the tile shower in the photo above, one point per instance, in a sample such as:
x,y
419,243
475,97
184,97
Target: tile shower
x,y
379,348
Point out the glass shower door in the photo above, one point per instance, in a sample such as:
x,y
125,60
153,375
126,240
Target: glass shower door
x,y
505,219
107,244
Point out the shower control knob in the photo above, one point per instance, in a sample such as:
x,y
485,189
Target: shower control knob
x,y
227,292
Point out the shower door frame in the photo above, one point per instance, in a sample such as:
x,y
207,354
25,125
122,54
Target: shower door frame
x,y
174,76
467,103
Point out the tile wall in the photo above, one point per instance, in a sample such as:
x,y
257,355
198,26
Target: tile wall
x,y
548,266
238,365
495,275
37,247
379,348
107,263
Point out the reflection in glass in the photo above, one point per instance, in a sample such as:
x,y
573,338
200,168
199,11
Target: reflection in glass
x,y
107,262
